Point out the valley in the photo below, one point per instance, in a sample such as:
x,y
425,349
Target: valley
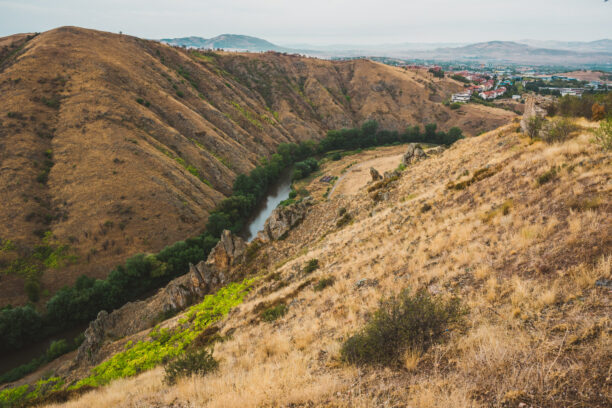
x,y
121,145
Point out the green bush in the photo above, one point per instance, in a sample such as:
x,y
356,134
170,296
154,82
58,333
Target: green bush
x,y
180,94
344,220
534,125
324,283
405,322
548,176
603,135
558,130
455,105
273,313
336,156
311,266
198,362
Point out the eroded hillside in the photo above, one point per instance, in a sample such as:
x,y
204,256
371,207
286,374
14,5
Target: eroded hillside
x,y
518,230
111,145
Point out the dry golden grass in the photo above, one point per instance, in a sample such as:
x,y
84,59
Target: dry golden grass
x,y
538,330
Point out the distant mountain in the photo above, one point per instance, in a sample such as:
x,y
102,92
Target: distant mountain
x,y
604,45
521,52
227,42
514,52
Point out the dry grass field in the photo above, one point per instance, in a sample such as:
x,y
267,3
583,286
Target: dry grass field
x,y
118,145
523,253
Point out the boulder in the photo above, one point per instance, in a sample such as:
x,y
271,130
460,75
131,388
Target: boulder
x,y
283,219
375,174
436,150
413,154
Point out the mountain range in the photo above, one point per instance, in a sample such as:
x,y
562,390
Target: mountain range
x,y
521,52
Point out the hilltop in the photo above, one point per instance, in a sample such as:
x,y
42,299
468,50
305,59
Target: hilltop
x,y
516,230
112,145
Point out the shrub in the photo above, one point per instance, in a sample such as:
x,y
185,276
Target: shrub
x,y
402,323
603,135
558,130
198,362
548,176
273,313
455,105
344,220
180,94
57,348
426,207
311,266
534,125
324,283
336,156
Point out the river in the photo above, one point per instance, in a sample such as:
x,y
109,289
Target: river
x,y
277,193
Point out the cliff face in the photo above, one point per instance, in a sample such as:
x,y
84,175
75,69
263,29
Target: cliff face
x,y
116,145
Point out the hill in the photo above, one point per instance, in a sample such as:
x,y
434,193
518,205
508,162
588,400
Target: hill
x,y
112,145
230,42
516,231
513,52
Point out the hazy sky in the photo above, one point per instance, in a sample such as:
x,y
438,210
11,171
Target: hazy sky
x,y
322,21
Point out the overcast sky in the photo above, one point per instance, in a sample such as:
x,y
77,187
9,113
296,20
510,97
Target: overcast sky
x,y
322,21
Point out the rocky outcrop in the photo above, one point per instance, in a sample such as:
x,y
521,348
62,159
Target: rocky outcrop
x,y
436,150
375,174
282,219
531,109
181,292
228,252
413,154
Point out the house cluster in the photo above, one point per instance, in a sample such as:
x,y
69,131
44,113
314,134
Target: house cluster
x,y
484,90
492,94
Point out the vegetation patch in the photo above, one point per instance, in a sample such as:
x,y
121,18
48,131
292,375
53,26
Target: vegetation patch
x,y
403,323
546,177
311,266
168,343
193,362
324,283
273,313
478,175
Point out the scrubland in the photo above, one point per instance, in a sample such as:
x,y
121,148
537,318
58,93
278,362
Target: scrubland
x,y
529,258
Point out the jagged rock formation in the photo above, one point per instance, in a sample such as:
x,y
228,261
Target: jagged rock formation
x,y
531,109
133,317
413,154
436,150
282,219
228,252
375,174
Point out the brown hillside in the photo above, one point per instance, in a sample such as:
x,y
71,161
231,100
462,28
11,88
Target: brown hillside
x,y
124,120
529,258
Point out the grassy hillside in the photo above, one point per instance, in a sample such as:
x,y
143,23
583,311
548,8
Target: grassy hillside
x,y
112,145
517,231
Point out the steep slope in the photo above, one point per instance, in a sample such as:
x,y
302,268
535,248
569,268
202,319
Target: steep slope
x,y
528,256
111,145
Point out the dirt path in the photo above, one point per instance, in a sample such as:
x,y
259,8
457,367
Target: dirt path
x,y
358,175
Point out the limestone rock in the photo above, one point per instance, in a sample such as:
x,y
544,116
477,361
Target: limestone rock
x,y
436,150
375,174
228,252
413,154
283,219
